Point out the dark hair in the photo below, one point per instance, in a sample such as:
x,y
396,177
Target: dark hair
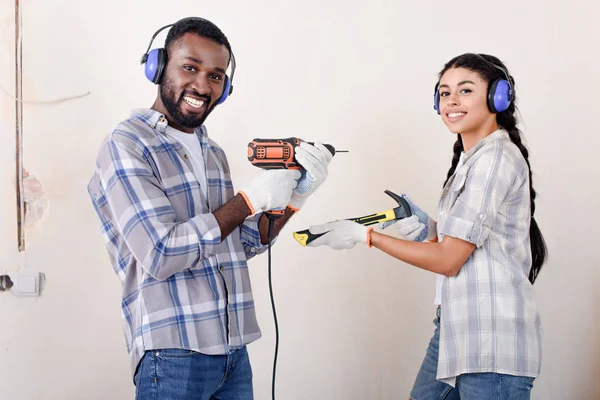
x,y
489,68
200,27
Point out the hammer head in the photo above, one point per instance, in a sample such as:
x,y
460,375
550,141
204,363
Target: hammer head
x,y
401,212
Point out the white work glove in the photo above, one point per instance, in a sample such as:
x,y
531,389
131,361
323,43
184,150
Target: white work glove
x,y
418,227
314,161
342,234
271,190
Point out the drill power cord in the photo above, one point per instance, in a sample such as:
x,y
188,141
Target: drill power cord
x,y
272,218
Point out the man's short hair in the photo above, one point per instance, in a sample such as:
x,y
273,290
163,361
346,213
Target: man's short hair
x,y
200,27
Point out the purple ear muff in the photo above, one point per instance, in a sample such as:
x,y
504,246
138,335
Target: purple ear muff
x,y
155,65
227,90
499,96
436,99
498,99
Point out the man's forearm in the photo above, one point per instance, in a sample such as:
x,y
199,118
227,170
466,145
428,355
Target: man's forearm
x,y
263,225
231,215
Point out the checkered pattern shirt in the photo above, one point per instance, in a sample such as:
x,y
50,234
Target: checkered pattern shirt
x,y
489,317
184,286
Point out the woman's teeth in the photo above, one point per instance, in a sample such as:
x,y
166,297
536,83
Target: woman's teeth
x,y
456,115
193,102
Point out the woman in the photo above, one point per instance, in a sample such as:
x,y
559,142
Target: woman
x,y
485,245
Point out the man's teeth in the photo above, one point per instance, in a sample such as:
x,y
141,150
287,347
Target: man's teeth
x,y
193,102
456,115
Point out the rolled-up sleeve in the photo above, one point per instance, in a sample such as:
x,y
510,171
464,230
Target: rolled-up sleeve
x,y
250,236
146,218
482,190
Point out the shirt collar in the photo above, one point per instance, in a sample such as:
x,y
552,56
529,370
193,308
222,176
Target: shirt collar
x,y
157,121
465,156
496,135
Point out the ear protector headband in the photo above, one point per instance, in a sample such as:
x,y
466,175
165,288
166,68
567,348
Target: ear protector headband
x,y
500,92
156,61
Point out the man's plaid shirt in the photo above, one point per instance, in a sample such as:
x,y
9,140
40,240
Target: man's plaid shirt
x,y
184,286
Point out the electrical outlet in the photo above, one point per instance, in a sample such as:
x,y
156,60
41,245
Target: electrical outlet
x,y
27,284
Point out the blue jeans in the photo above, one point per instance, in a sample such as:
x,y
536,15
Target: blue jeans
x,y
175,374
468,386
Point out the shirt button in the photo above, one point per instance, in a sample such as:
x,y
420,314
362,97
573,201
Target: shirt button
x,y
221,268
185,156
162,119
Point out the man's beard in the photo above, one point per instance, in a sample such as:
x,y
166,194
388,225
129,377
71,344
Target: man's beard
x,y
173,106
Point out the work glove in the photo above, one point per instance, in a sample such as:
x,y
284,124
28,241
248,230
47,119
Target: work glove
x,y
342,234
271,190
418,227
314,161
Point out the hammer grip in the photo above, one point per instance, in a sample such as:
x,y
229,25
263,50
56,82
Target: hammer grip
x,y
305,237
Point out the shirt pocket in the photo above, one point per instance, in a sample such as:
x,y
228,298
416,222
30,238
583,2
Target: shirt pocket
x,y
451,193
186,198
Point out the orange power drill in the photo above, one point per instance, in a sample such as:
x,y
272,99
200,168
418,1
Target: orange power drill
x,y
278,154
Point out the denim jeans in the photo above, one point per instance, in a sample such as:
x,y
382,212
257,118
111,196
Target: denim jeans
x,y
175,374
474,386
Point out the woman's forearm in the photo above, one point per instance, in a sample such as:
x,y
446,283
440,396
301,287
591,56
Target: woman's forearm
x,y
446,257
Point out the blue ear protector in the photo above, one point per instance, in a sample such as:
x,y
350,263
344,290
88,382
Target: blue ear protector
x,y
500,92
156,61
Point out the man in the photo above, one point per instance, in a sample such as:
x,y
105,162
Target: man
x,y
177,235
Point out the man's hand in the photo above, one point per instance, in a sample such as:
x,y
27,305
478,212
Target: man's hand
x,y
418,227
272,189
342,234
314,160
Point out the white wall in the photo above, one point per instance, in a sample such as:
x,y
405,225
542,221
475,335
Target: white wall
x,y
359,75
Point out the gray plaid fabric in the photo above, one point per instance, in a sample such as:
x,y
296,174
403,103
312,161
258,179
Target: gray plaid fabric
x,y
184,286
489,321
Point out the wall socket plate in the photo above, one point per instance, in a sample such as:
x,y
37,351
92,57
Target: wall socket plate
x,y
27,284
